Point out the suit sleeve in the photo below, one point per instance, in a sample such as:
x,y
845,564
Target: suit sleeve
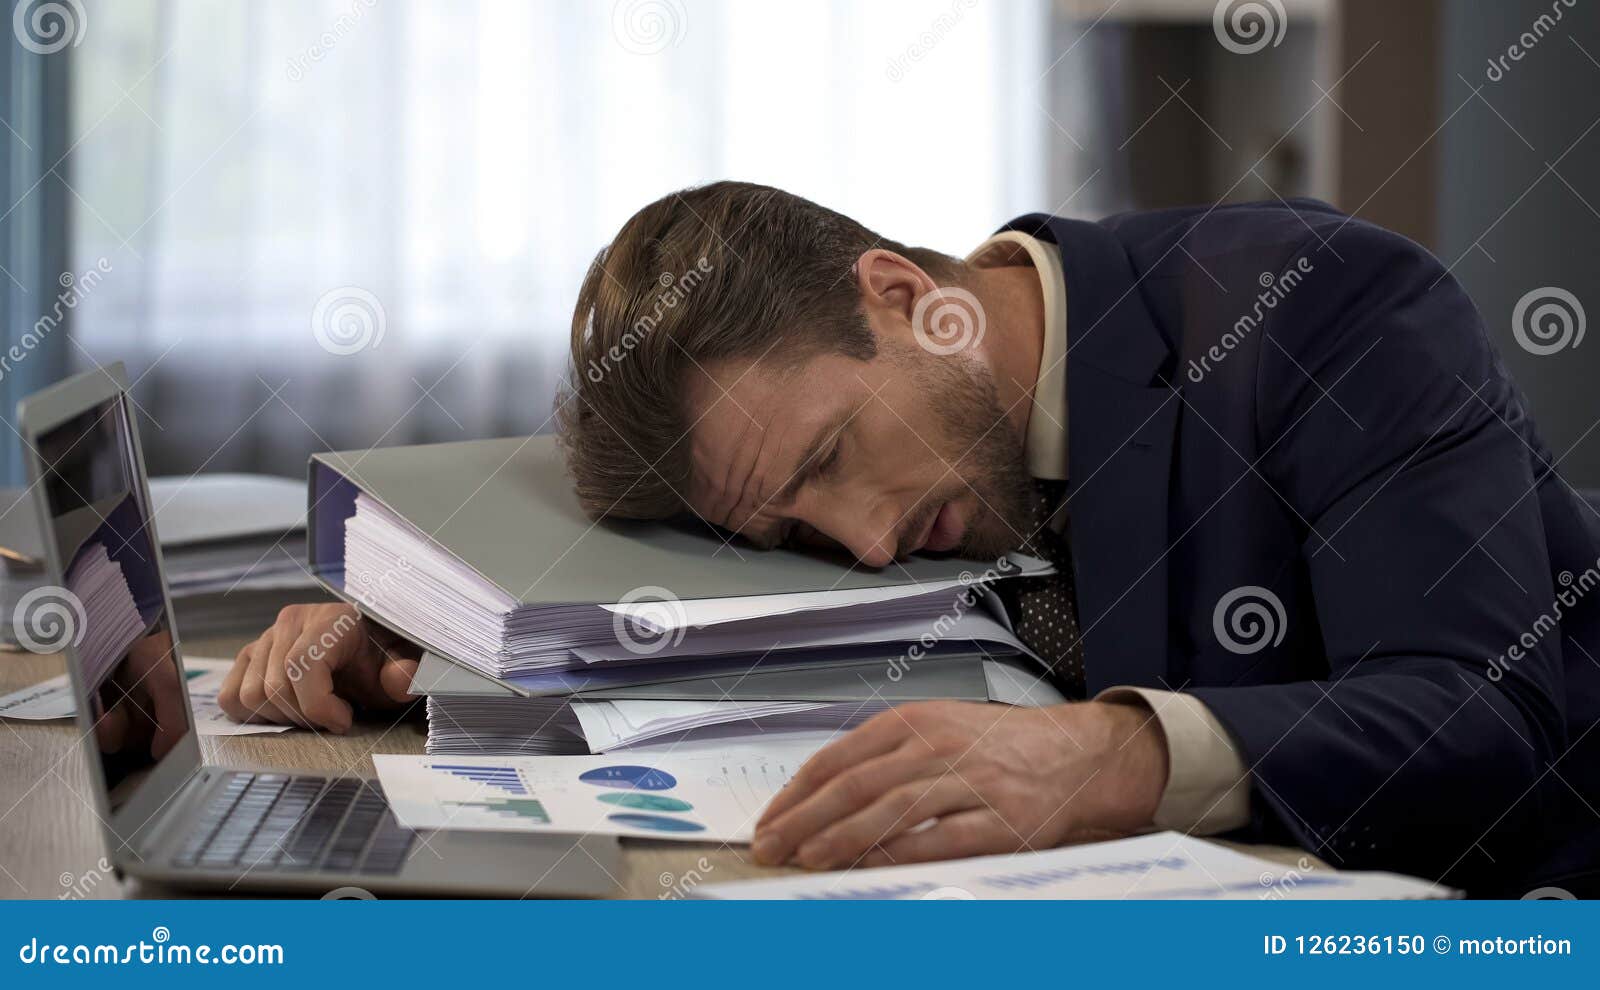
x,y
1387,424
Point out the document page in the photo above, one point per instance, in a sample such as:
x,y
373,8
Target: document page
x,y
700,797
1164,866
52,699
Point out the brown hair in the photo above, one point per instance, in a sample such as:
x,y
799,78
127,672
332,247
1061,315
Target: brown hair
x,y
725,271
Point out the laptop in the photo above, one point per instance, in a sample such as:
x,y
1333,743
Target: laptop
x,y
169,817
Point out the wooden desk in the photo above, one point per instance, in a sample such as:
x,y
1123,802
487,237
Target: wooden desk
x,y
50,842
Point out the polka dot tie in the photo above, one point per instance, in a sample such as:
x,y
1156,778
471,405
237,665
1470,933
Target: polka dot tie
x,y
1044,610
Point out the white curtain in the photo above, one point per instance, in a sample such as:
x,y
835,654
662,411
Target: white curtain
x,y
364,221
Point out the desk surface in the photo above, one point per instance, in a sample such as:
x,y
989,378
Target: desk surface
x,y
49,838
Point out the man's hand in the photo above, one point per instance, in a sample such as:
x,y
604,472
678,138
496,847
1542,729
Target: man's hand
x,y
144,700
993,779
313,663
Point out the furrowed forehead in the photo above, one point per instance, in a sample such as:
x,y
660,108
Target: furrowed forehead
x,y
754,438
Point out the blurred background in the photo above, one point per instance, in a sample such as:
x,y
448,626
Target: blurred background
x,y
312,224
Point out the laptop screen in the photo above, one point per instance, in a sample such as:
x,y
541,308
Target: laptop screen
x,y
112,597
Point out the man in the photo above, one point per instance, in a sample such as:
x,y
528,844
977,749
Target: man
x,y
1320,581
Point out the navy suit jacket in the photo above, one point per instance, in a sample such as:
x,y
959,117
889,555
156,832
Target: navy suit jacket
x,y
1305,490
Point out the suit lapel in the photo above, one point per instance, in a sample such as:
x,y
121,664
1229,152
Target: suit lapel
x,y
1120,428
1120,445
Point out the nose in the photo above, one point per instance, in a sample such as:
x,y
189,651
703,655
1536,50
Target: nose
x,y
870,536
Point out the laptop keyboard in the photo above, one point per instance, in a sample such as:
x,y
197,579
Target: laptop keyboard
x,y
273,821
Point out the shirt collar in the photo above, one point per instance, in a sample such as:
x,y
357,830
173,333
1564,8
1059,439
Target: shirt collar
x,y
1045,444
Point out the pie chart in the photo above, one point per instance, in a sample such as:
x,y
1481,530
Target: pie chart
x,y
646,802
633,778
656,823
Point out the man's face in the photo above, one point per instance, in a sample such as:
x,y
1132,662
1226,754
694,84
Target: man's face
x,y
909,451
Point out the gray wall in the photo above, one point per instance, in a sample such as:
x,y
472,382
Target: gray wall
x,y
1548,100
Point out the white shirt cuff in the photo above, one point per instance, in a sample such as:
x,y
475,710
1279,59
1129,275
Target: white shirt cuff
x,y
1208,785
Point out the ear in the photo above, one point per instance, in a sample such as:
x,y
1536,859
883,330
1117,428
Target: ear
x,y
890,285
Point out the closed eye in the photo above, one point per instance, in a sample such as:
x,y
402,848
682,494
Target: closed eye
x,y
798,534
828,463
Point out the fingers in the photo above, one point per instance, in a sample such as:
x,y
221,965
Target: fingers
x,y
253,700
111,729
310,681
165,689
395,677
284,661
878,735
228,694
288,674
897,812
975,832
843,795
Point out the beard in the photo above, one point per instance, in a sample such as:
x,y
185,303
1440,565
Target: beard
x,y
982,448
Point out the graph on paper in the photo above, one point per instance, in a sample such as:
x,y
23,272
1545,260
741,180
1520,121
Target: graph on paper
x,y
708,795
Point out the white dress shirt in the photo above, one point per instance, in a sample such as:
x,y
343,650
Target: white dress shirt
x,y
1208,785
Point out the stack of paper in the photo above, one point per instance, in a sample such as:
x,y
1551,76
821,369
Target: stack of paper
x,y
110,620
465,725
234,549
611,725
470,713
237,565
393,567
469,724
545,631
